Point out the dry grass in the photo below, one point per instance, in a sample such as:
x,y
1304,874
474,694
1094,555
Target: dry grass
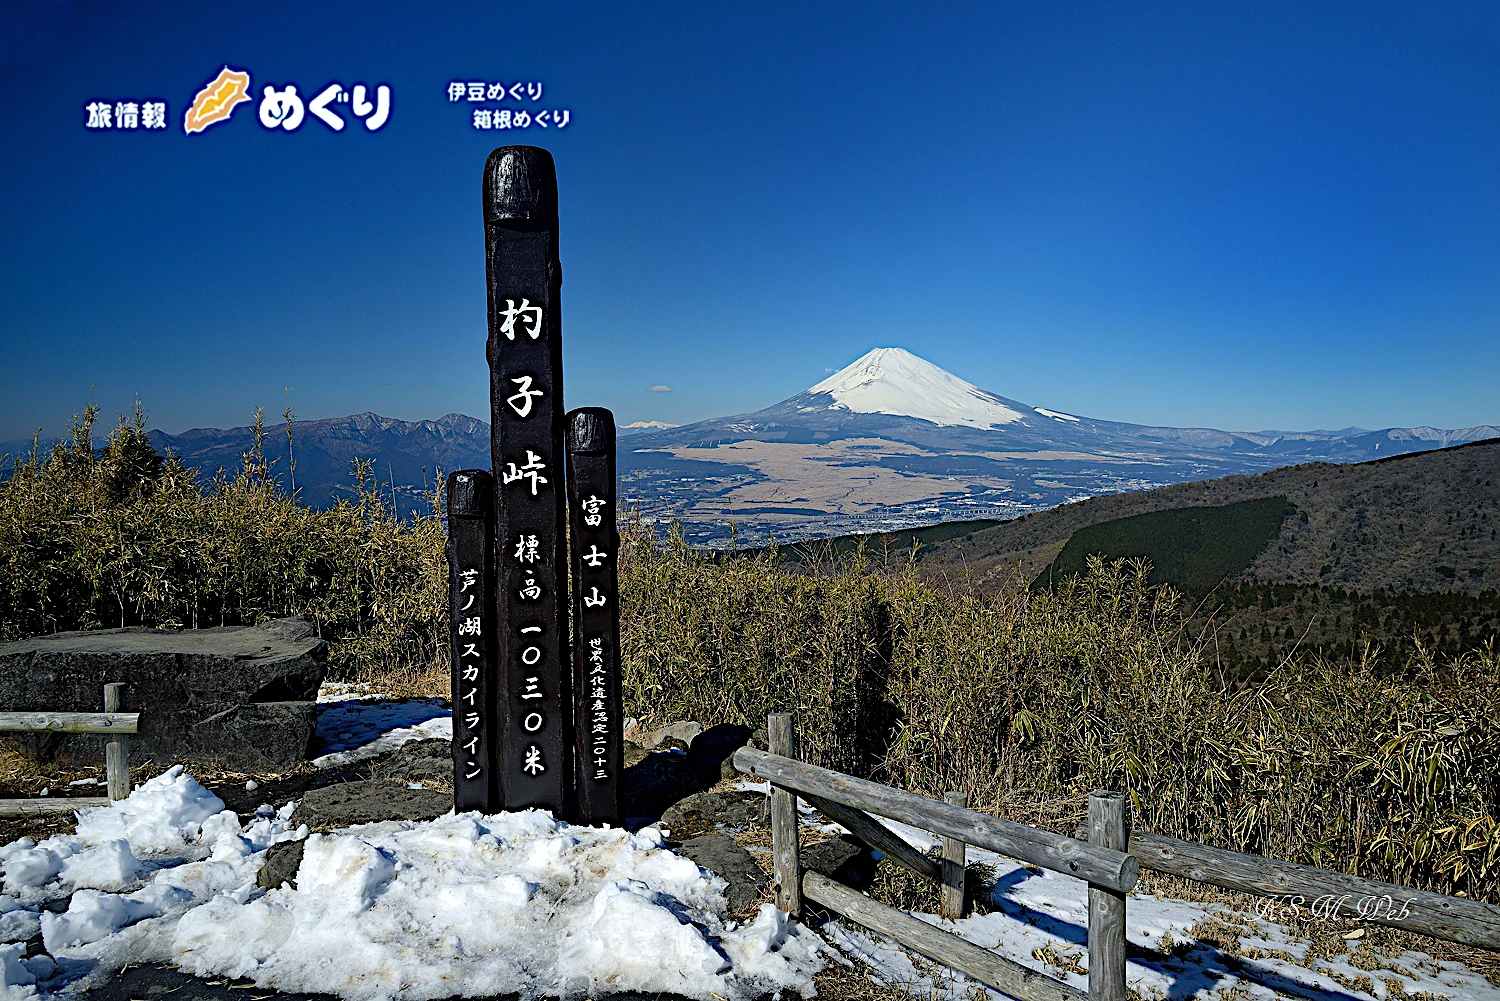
x,y
856,982
1026,701
1377,945
1023,701
123,537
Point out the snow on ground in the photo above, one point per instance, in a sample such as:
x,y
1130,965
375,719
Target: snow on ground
x,y
511,903
352,726
524,903
1040,920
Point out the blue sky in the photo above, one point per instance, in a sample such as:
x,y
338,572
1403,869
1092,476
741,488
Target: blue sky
x,y
1243,216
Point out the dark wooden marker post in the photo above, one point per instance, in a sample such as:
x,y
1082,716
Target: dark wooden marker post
x,y
598,714
524,280
471,604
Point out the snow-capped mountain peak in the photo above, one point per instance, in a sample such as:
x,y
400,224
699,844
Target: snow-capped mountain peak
x,y
895,381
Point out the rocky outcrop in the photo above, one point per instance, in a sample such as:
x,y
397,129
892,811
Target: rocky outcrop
x,y
282,861
844,859
704,811
367,802
239,697
429,762
721,855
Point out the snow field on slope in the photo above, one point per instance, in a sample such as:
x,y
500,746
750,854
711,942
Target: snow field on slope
x,y
895,381
512,903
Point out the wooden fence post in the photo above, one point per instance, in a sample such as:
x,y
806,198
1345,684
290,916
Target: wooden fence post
x,y
781,735
1106,942
116,756
955,854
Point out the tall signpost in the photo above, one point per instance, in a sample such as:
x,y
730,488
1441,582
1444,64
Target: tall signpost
x,y
519,739
595,542
471,600
524,282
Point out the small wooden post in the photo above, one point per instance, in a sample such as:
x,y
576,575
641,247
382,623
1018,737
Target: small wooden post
x,y
475,674
116,757
1107,829
598,715
787,866
955,855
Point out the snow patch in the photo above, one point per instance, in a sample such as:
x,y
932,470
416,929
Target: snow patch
x,y
512,903
162,815
1041,916
516,903
353,729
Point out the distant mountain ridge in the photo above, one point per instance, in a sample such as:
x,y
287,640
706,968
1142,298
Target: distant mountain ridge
x,y
1423,521
888,442
892,441
408,455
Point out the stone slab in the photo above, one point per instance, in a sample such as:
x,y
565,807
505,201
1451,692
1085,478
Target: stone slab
x,y
367,802
194,689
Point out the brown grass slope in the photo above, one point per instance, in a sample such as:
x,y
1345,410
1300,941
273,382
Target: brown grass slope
x,y
1428,521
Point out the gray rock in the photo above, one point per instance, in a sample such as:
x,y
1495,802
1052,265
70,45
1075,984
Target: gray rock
x,y
426,761
257,736
711,751
683,730
194,689
367,802
844,859
658,781
634,754
702,811
283,859
719,854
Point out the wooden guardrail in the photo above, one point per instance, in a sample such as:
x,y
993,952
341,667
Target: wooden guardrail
x,y
1322,893
116,724
1109,871
1105,853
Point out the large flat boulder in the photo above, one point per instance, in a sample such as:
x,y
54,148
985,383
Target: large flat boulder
x,y
367,801
239,697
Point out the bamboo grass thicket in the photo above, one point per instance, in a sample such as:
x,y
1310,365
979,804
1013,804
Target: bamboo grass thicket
x,y
1024,701
100,538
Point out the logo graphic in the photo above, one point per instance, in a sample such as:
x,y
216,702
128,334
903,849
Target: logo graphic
x,y
284,109
217,100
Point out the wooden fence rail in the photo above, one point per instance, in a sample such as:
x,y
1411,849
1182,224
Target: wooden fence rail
x,y
1322,893
112,722
1116,870
1110,872
967,958
1105,853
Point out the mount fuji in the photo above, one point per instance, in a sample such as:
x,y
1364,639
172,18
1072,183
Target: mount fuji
x,y
893,441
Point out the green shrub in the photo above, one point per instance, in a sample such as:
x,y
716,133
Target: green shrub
x,y
1194,547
